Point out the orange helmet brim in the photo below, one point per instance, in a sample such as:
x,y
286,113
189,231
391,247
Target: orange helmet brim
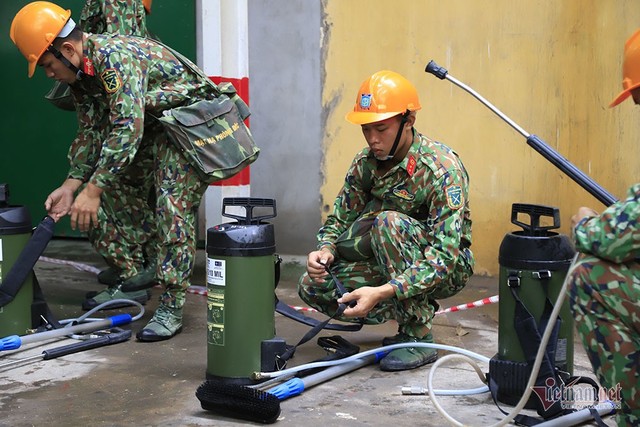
x,y
362,118
32,68
623,95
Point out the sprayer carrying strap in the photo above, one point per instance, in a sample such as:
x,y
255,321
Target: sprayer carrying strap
x,y
288,354
41,316
292,313
190,65
26,261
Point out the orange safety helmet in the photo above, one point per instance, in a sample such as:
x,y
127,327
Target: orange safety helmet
x,y
630,68
147,5
385,94
35,27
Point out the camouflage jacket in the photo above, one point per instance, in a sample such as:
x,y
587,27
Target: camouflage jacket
x,y
431,185
614,234
125,79
126,17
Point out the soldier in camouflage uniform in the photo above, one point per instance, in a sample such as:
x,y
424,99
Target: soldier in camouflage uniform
x,y
121,82
124,237
605,280
399,236
126,17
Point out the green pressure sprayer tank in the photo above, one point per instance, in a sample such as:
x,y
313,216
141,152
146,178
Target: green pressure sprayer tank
x,y
15,232
533,265
240,290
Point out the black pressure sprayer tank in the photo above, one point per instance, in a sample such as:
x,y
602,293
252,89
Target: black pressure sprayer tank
x,y
15,231
240,290
533,265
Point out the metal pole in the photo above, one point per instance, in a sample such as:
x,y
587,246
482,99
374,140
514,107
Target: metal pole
x,y
534,141
295,386
13,342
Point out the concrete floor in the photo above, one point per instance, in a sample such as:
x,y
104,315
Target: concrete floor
x,y
154,384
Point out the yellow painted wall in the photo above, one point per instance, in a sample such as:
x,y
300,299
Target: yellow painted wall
x,y
551,66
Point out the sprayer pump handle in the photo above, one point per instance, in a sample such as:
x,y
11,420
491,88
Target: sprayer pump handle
x,y
533,228
249,203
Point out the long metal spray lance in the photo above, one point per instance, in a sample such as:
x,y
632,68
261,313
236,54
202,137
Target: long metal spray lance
x,y
534,141
13,342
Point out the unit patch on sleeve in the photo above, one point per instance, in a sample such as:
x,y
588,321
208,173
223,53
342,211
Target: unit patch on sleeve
x,y
454,196
111,80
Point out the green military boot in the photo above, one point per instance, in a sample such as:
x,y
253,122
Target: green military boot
x,y
405,358
143,280
112,293
397,338
165,323
109,276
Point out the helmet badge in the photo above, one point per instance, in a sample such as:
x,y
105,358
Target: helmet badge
x,y
365,100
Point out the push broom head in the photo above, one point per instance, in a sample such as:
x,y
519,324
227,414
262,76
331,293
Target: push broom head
x,y
236,401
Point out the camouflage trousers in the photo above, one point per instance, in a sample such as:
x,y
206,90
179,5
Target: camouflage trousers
x,y
125,236
134,225
398,242
604,300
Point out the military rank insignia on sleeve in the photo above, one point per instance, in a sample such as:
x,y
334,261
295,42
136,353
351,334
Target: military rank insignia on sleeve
x,y
111,80
411,165
454,196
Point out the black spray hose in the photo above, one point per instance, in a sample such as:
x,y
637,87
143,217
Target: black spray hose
x,y
534,141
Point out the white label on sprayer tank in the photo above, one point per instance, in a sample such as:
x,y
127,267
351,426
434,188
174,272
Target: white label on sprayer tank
x,y
215,272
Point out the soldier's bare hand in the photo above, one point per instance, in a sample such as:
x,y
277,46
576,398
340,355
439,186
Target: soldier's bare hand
x,y
583,212
59,202
316,262
84,211
366,298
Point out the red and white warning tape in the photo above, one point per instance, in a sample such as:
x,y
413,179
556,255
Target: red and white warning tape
x,y
198,290
77,265
307,309
202,290
469,305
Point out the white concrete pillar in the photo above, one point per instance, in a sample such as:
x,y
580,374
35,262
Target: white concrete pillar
x,y
223,54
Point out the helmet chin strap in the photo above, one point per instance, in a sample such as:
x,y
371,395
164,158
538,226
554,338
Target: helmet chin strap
x,y
78,72
392,153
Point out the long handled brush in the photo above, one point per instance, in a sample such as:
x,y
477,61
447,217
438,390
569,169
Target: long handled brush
x,y
251,404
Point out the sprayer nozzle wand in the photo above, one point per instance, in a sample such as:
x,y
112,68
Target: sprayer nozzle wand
x,y
436,70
